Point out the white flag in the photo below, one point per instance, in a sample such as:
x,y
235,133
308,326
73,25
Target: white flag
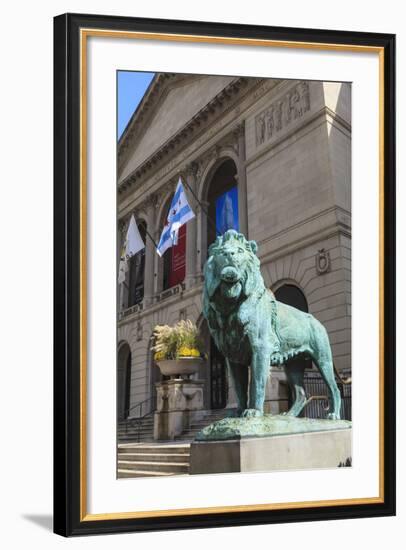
x,y
134,242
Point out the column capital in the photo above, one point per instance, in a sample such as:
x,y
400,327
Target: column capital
x,y
239,130
192,169
150,202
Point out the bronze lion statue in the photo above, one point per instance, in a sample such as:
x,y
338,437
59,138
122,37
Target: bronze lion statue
x,y
253,330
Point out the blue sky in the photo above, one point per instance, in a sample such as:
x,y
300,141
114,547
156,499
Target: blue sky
x,y
131,87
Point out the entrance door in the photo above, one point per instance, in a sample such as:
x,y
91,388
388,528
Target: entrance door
x,y
218,378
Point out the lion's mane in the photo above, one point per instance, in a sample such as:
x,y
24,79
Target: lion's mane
x,y
252,281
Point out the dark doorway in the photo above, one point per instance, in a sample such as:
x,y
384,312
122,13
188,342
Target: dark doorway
x,y
123,381
218,378
292,296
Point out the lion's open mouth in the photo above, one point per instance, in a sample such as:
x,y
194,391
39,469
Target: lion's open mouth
x,y
229,275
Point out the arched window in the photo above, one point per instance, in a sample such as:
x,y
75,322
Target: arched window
x,y
174,258
222,197
137,267
292,296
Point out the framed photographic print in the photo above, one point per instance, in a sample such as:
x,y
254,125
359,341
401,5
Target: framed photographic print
x,y
224,274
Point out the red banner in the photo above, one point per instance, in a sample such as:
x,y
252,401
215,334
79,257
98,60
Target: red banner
x,y
178,260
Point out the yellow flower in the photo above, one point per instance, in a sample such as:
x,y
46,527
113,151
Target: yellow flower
x,y
159,356
184,351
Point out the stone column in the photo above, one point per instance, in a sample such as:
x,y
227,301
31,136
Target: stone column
x,y
123,294
158,275
120,240
201,223
191,226
149,252
239,134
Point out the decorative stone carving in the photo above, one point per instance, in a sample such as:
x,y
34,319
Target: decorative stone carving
x,y
192,169
139,331
293,105
214,152
323,261
239,130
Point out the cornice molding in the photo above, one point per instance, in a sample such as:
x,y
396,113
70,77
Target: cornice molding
x,y
160,86
183,137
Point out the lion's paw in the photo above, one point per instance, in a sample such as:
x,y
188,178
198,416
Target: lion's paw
x,y
249,413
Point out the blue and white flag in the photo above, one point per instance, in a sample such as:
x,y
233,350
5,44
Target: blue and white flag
x,y
179,213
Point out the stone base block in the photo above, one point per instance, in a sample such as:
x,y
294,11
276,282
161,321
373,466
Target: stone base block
x,y
299,451
168,425
177,402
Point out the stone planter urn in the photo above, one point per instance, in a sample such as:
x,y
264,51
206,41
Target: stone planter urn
x,y
183,366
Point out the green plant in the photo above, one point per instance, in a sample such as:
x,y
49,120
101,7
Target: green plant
x,y
180,340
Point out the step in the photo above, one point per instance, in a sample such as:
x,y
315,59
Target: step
x,y
135,432
169,448
139,465
135,428
124,473
134,420
131,431
154,457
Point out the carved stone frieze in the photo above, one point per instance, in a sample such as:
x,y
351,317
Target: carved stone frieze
x,y
293,105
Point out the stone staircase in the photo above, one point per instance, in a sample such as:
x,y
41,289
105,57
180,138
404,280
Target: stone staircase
x,y
140,431
153,459
145,457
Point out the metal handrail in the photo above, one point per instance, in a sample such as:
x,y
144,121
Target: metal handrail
x,y
138,419
140,405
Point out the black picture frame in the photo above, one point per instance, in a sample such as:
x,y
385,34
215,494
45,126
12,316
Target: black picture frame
x,y
68,516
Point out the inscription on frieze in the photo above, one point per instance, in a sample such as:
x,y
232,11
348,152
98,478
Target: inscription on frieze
x,y
293,105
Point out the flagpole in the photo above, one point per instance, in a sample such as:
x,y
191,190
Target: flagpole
x,y
147,233
202,207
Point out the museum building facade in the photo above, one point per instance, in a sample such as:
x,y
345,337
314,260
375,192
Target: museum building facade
x,y
270,158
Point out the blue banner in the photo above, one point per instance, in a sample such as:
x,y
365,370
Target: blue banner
x,y
227,211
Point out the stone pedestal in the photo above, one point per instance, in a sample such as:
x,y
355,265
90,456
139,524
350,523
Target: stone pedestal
x,y
313,444
177,400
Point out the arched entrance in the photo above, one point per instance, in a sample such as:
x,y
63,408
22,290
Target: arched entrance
x,y
123,380
216,386
222,198
291,295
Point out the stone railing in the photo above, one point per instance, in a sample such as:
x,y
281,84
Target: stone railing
x,y
130,310
158,298
173,291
